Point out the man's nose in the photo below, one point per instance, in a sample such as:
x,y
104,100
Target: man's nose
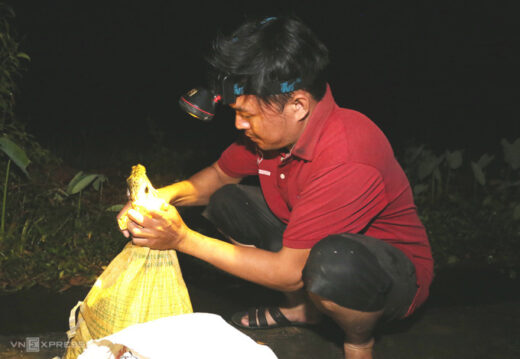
x,y
241,123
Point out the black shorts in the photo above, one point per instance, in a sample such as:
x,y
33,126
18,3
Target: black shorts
x,y
352,270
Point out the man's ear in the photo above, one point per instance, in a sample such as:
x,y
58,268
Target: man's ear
x,y
300,105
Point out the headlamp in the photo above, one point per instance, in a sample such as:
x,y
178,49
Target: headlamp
x,y
201,103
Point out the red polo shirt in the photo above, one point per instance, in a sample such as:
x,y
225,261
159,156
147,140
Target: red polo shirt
x,y
341,177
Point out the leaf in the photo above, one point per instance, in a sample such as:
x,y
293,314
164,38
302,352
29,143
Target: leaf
x,y
454,159
415,152
23,55
74,180
15,153
419,188
8,10
115,208
81,183
65,288
511,153
428,165
98,181
484,160
453,259
79,280
478,173
487,201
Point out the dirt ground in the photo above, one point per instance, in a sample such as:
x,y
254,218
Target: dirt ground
x,y
472,313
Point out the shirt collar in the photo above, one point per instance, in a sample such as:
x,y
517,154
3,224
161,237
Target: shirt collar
x,y
306,144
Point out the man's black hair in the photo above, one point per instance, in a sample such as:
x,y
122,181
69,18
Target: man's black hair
x,y
270,51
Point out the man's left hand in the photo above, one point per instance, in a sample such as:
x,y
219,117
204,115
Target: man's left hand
x,y
157,229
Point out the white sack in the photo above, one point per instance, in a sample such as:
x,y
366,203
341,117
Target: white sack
x,y
186,336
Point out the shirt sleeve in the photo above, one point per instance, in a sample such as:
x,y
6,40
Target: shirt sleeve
x,y
338,198
239,159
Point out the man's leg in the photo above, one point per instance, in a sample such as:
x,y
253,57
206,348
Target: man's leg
x,y
241,214
358,326
357,281
297,309
373,277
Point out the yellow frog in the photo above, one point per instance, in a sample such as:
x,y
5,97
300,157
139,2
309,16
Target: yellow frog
x,y
141,193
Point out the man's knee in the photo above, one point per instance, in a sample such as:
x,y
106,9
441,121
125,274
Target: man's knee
x,y
344,271
219,200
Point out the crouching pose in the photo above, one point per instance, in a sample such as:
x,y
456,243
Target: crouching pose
x,y
333,225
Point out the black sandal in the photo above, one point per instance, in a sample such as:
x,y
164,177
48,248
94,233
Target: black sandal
x,y
258,320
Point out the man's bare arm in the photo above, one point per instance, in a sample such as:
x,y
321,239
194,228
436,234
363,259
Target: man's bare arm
x,y
166,230
276,270
196,190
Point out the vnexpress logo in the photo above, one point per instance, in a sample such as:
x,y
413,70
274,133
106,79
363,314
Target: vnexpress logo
x,y
32,344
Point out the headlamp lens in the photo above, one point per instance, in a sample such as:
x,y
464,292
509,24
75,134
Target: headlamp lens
x,y
200,103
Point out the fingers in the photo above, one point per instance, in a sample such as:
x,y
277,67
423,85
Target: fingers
x,y
168,213
141,242
150,243
125,209
122,224
155,229
138,231
136,216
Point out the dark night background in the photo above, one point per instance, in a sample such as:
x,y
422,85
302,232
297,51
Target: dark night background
x,y
103,84
429,72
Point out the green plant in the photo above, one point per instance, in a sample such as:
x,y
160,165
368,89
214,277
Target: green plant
x,y
512,177
19,157
431,172
454,162
471,209
479,166
511,153
83,180
40,242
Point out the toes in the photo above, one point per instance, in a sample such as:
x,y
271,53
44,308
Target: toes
x,y
245,320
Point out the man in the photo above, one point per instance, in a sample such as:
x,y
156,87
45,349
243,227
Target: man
x,y
333,227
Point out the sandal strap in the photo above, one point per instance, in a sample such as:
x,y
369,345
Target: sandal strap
x,y
262,320
278,316
252,318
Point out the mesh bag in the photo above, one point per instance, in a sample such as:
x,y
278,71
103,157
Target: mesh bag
x,y
139,285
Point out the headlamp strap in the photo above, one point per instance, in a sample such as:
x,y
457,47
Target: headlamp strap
x,y
231,90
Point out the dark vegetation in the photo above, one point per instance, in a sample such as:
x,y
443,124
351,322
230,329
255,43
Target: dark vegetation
x,y
58,228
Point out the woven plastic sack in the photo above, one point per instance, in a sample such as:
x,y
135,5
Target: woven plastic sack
x,y
138,286
188,336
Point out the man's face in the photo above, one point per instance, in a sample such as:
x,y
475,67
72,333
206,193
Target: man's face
x,y
269,128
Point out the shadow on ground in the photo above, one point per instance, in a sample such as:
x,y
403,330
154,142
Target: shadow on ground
x,y
472,313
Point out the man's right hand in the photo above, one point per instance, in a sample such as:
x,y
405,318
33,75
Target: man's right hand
x,y
195,191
